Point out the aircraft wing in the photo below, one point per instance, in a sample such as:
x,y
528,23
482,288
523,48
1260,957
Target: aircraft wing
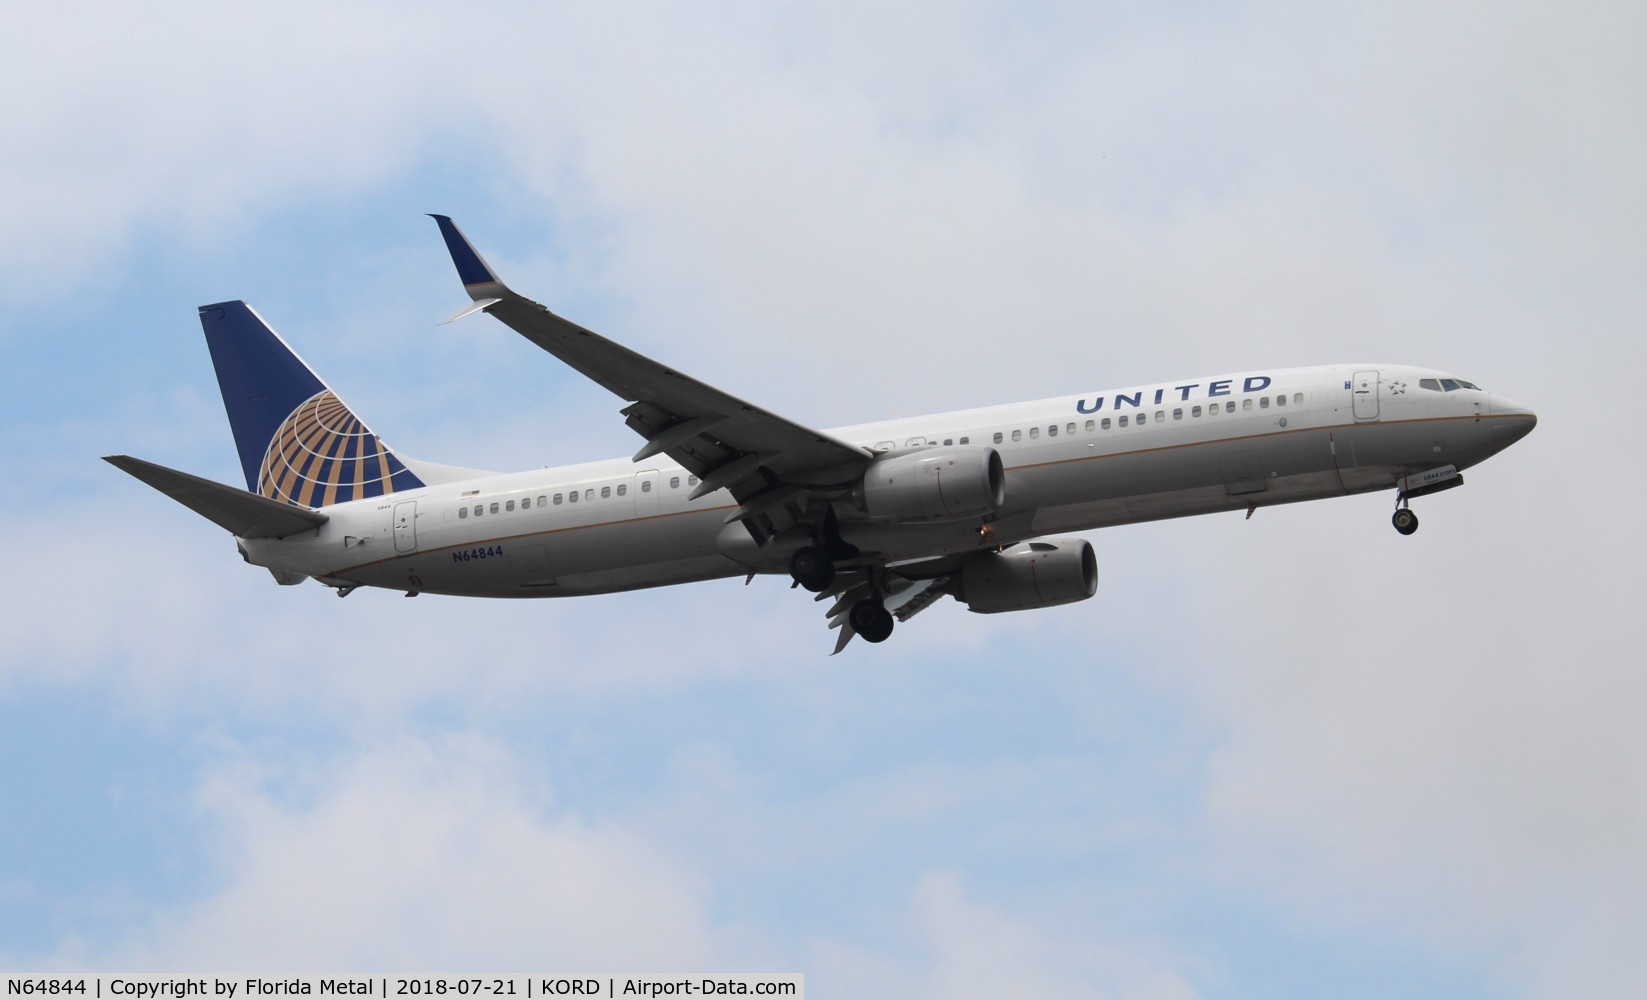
x,y
764,459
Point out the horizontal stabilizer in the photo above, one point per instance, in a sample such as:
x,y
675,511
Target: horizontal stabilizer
x,y
244,514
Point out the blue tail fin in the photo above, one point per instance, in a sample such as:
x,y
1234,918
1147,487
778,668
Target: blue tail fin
x,y
298,442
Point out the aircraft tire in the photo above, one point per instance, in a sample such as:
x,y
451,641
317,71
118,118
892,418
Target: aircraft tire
x,y
812,569
1405,521
871,619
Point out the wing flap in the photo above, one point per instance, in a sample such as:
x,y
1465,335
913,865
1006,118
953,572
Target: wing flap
x,y
244,514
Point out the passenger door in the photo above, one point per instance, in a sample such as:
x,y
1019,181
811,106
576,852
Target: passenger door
x,y
1364,393
405,523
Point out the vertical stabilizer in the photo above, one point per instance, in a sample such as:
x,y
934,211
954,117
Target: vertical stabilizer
x,y
298,442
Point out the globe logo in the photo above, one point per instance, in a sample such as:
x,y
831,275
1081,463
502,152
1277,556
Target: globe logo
x,y
322,454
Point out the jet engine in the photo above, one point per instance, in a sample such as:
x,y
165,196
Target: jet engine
x,y
934,484
1040,574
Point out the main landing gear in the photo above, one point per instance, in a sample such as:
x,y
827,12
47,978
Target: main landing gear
x,y
870,619
812,569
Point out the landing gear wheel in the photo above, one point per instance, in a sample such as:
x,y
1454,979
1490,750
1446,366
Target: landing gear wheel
x,y
812,569
1405,521
870,619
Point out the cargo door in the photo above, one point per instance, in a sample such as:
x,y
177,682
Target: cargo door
x,y
1241,473
531,566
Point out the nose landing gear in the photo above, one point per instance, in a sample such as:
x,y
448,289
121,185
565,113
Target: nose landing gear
x,y
1405,520
1421,485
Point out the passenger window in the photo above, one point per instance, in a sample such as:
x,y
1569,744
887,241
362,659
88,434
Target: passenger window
x,y
509,506
1160,415
1263,402
494,508
623,489
525,503
915,443
606,492
1090,427
1229,406
1105,424
691,480
646,485
557,499
480,509
948,442
674,482
966,440
1122,419
1246,404
1017,435
1195,411
589,494
997,437
1143,418
1281,400
1298,399
1052,431
1177,413
542,499
463,512
1071,429
572,496
1034,433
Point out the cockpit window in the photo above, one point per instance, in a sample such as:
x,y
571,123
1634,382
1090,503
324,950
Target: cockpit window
x,y
1446,384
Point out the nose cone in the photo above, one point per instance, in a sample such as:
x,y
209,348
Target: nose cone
x,y
1511,420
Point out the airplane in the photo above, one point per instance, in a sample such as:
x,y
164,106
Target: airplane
x,y
880,519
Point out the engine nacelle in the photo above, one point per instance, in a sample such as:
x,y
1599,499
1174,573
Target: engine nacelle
x,y
934,484
1040,574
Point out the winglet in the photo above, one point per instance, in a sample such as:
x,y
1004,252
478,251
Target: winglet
x,y
478,278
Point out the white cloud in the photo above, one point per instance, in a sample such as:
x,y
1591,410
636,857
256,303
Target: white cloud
x,y
1447,748
419,854
959,947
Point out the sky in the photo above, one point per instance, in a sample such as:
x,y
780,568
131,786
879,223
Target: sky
x,y
1297,755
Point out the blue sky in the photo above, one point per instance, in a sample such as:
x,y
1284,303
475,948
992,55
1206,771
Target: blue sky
x,y
1292,756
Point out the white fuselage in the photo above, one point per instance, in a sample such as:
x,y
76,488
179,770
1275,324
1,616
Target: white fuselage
x,y
1188,447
